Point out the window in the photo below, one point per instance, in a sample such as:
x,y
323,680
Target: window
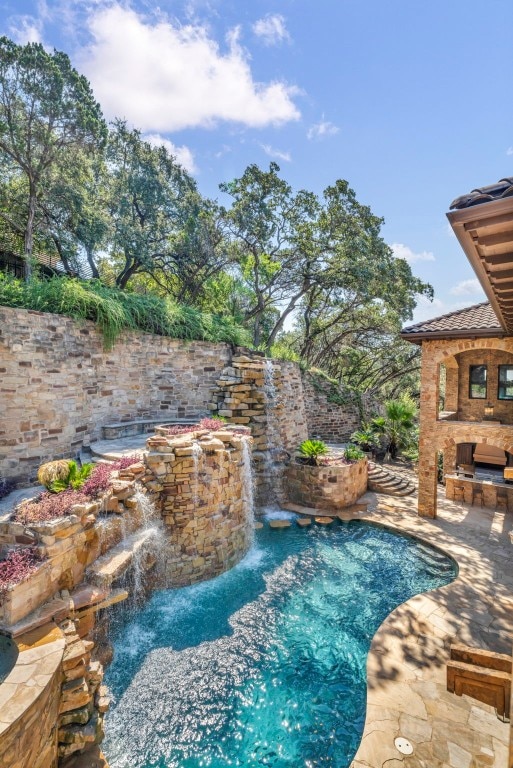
x,y
477,382
505,391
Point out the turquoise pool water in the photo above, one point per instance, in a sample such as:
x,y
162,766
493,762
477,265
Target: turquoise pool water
x,y
264,665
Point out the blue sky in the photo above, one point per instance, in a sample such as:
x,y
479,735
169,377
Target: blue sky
x,y
410,101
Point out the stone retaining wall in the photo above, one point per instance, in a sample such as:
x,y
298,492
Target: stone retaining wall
x,y
326,487
58,385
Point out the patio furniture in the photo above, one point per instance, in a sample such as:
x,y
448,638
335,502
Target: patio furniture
x,y
459,492
483,675
502,499
477,495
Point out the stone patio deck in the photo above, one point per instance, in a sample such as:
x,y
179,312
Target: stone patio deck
x,y
406,669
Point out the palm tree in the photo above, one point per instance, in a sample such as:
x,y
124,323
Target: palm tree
x,y
398,424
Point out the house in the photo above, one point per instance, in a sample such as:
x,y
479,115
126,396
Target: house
x,y
466,405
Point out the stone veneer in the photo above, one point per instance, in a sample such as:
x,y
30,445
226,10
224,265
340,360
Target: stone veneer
x,y
328,487
439,435
328,417
202,487
58,385
266,396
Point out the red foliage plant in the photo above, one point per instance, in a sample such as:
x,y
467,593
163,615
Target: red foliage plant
x,y
48,506
206,423
99,479
18,564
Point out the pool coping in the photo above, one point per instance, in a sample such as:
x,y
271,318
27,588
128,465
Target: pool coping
x,y
406,665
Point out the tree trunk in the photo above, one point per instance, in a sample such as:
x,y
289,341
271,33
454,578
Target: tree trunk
x,y
29,230
90,261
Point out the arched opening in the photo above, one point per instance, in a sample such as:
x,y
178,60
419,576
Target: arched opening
x,y
476,385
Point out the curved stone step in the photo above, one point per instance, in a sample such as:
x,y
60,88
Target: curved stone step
x,y
381,480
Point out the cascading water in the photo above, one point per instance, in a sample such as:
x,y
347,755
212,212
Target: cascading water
x,y
272,431
148,547
247,489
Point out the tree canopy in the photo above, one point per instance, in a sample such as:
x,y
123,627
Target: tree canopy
x,y
307,273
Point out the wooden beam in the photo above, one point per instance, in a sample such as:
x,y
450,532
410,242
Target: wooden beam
x,y
504,260
501,277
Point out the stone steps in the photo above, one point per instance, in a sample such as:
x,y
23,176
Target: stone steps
x,y
111,566
381,480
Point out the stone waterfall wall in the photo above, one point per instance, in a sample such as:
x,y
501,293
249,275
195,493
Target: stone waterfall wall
x,y
201,482
266,396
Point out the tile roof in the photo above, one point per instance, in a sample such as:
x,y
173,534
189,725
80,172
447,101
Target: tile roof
x,y
504,188
479,320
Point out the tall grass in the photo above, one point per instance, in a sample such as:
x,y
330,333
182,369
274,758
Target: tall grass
x,y
114,310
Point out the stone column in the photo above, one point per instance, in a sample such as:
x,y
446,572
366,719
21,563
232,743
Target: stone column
x,y
429,389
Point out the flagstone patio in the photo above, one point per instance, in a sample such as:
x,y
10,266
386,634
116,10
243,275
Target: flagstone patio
x,y
407,691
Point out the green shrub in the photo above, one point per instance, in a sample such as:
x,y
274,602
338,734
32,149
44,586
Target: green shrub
x,y
366,438
115,310
353,453
312,450
75,478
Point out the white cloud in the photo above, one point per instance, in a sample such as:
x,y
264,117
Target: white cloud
x,y
426,309
402,251
509,151
163,77
322,129
271,29
183,154
470,287
277,153
26,29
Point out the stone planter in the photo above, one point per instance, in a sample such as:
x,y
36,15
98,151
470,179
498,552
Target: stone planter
x,y
326,487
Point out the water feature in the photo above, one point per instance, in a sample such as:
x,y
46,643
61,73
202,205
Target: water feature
x,y
145,550
247,488
271,472
264,665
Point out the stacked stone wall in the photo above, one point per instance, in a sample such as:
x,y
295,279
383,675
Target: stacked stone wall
x,y
202,483
266,396
59,386
334,413
328,487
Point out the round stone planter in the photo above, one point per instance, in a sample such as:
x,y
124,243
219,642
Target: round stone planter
x,y
326,487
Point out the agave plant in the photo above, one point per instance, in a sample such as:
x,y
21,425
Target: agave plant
x,y
312,450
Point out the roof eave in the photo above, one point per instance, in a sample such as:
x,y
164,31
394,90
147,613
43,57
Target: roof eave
x,y
420,336
480,213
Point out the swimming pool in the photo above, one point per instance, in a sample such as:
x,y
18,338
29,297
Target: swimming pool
x,y
264,665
